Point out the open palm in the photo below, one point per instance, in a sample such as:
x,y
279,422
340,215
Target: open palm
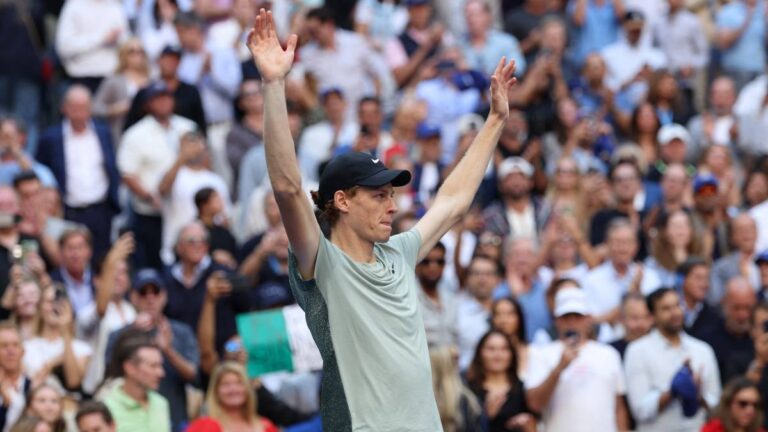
x,y
271,59
502,80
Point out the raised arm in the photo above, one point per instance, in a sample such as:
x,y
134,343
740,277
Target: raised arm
x,y
455,196
297,212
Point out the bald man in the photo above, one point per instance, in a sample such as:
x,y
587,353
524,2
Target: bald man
x,y
730,336
80,153
741,262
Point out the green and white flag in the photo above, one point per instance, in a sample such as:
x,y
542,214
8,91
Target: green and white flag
x,y
278,340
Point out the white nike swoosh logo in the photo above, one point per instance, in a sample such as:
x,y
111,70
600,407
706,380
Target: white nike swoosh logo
x,y
375,160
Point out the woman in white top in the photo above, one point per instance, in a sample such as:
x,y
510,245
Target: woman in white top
x,y
111,311
25,303
54,352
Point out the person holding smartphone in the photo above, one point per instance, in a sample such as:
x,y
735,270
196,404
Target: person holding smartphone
x,y
581,377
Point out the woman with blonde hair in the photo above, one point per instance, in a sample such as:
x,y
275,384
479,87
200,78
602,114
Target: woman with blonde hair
x,y
45,401
113,98
458,407
231,403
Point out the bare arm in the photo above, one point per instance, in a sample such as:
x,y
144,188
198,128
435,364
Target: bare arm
x,y
579,13
295,209
123,247
455,196
622,416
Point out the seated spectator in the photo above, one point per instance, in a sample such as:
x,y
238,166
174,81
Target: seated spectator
x,y
212,212
34,222
13,156
739,36
475,303
458,407
762,265
175,341
730,336
266,268
248,131
45,402
716,125
14,383
439,308
572,377
660,370
110,311
24,300
231,403
574,136
517,213
428,171
665,96
154,26
673,140
81,154
743,230
186,282
492,376
75,272
94,417
755,189
31,424
371,138
739,408
134,403
674,243
188,175
635,319
694,288
54,352
675,192
507,317
718,161
565,250
483,45
112,100
709,215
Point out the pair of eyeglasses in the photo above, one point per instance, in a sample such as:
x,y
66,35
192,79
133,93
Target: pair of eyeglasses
x,y
149,289
428,261
746,403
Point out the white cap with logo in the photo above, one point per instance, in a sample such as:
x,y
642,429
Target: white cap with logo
x,y
571,301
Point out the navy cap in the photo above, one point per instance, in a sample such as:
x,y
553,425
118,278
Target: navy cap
x,y
471,79
762,257
157,88
427,130
703,180
171,50
329,91
357,169
634,15
146,277
409,3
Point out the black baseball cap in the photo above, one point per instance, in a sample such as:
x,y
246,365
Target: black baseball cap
x,y
358,169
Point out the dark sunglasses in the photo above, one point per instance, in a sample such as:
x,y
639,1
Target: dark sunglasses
x,y
428,261
149,289
746,403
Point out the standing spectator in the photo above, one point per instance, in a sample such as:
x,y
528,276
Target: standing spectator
x,y
730,336
762,265
212,212
635,319
517,213
438,307
10,236
740,35
483,44
492,376
46,402
571,378
740,262
113,99
597,25
428,171
267,267
371,138
94,417
148,150
699,315
21,62
337,58
186,97
675,242
75,272
154,26
458,407
249,129
760,214
82,157
660,368
88,47
709,215
14,383
525,24
717,125
135,403
175,340
189,174
739,408
475,305
14,156
626,184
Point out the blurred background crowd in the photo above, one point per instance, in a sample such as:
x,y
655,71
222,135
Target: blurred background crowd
x,y
612,274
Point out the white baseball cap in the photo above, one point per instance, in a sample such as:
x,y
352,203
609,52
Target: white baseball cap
x,y
515,164
571,301
669,132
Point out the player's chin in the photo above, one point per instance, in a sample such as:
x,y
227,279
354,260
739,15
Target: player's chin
x,y
383,233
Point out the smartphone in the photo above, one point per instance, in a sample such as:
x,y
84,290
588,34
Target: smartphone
x,y
239,282
17,255
60,293
572,337
28,246
233,347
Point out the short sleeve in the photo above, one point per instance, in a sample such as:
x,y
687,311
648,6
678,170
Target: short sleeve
x,y
408,244
539,366
621,382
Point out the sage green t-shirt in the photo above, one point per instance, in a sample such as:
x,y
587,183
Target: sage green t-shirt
x,y
366,321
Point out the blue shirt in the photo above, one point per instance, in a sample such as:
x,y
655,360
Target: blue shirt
x,y
497,45
747,54
534,304
600,29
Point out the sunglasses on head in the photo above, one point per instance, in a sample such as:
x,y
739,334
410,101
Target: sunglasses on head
x,y
746,403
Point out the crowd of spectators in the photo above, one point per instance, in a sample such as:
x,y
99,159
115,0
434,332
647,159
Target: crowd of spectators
x,y
611,275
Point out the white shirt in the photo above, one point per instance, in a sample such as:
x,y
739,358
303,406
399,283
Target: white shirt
x,y
148,151
18,402
522,224
760,214
624,61
585,396
219,85
750,100
473,322
87,181
39,351
95,331
179,206
650,364
83,26
317,144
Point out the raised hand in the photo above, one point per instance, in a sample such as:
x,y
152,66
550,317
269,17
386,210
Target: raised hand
x,y
502,80
271,59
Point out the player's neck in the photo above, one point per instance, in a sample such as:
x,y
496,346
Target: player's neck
x,y
358,249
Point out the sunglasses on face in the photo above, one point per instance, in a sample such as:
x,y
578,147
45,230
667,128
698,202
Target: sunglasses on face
x,y
428,261
708,190
149,289
742,404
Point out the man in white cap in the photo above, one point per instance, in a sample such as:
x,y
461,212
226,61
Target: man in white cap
x,y
516,213
674,141
575,383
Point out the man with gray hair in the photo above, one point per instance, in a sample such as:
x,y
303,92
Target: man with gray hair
x,y
740,262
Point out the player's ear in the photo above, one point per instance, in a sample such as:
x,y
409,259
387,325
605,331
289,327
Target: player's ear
x,y
341,201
